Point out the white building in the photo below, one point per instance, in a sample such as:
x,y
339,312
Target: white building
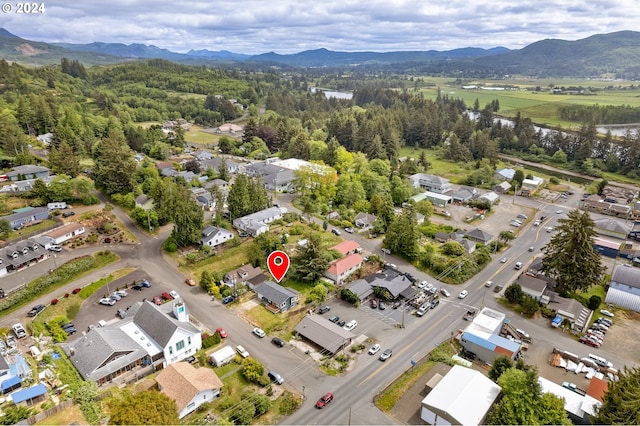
x,y
188,386
463,396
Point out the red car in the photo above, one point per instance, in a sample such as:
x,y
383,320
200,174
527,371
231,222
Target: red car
x,y
167,296
326,398
221,332
157,300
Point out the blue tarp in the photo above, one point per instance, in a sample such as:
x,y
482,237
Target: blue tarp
x,y
557,320
29,393
10,383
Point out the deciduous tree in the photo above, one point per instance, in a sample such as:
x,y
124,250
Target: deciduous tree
x,y
144,408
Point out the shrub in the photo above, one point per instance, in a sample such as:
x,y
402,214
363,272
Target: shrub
x,y
594,302
76,290
54,302
288,404
66,295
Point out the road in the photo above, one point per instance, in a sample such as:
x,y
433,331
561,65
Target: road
x,y
354,391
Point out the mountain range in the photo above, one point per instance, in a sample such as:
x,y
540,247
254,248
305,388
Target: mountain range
x,y
614,53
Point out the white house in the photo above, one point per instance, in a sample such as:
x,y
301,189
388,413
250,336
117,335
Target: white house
x,y
188,386
66,232
257,223
213,236
431,183
149,335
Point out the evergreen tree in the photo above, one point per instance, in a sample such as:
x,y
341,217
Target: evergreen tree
x,y
620,402
114,165
223,171
63,160
187,216
238,200
312,261
570,257
402,235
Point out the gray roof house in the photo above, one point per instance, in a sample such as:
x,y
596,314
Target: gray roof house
x,y
280,181
322,332
532,286
257,223
612,228
624,288
505,174
490,197
206,200
462,196
431,183
144,201
213,236
361,288
244,275
275,297
365,220
148,335
478,235
502,187
26,215
28,171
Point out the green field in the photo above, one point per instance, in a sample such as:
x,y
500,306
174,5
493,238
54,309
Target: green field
x,y
542,107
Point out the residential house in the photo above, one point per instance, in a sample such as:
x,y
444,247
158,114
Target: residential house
x,y
45,241
281,181
333,215
462,195
361,288
206,200
230,129
532,286
188,386
20,255
66,232
246,274
144,202
257,223
275,297
570,309
202,155
431,183
262,168
220,183
505,174
148,338
342,269
624,288
28,171
45,138
347,247
213,236
478,235
489,197
594,203
502,187
365,220
607,248
26,216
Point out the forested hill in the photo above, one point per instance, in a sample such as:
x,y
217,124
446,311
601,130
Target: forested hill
x,y
615,54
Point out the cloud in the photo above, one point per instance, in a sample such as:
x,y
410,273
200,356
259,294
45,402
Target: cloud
x,y
289,26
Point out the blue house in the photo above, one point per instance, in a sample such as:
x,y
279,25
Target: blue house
x,y
26,216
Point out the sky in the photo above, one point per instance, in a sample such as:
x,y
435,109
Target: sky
x,y
291,26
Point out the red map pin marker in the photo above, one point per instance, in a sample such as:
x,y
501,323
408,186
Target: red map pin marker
x,y
278,263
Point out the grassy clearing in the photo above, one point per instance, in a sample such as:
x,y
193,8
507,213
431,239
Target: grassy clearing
x,y
68,416
45,224
199,136
388,398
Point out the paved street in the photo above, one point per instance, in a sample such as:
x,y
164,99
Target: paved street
x,y
355,390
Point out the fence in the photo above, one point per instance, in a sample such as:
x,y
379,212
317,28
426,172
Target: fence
x,y
47,413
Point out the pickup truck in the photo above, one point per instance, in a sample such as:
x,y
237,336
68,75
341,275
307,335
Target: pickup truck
x,y
468,316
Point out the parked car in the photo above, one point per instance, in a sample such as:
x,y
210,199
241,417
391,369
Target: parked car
x,y
157,300
145,284
115,296
107,301
423,309
278,342
70,330
227,299
259,332
382,305
374,349
349,230
138,287
121,313
523,216
335,231
386,354
57,249
35,310
434,303
341,322
607,313
19,331
324,309
463,294
68,214
174,294
223,334
242,351
121,293
334,318
351,325
275,377
166,296
324,400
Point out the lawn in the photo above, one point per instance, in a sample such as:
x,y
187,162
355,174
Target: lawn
x,y
197,135
68,416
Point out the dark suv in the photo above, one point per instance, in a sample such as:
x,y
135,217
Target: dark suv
x,y
278,342
324,309
35,310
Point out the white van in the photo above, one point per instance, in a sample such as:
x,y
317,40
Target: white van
x,y
242,351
